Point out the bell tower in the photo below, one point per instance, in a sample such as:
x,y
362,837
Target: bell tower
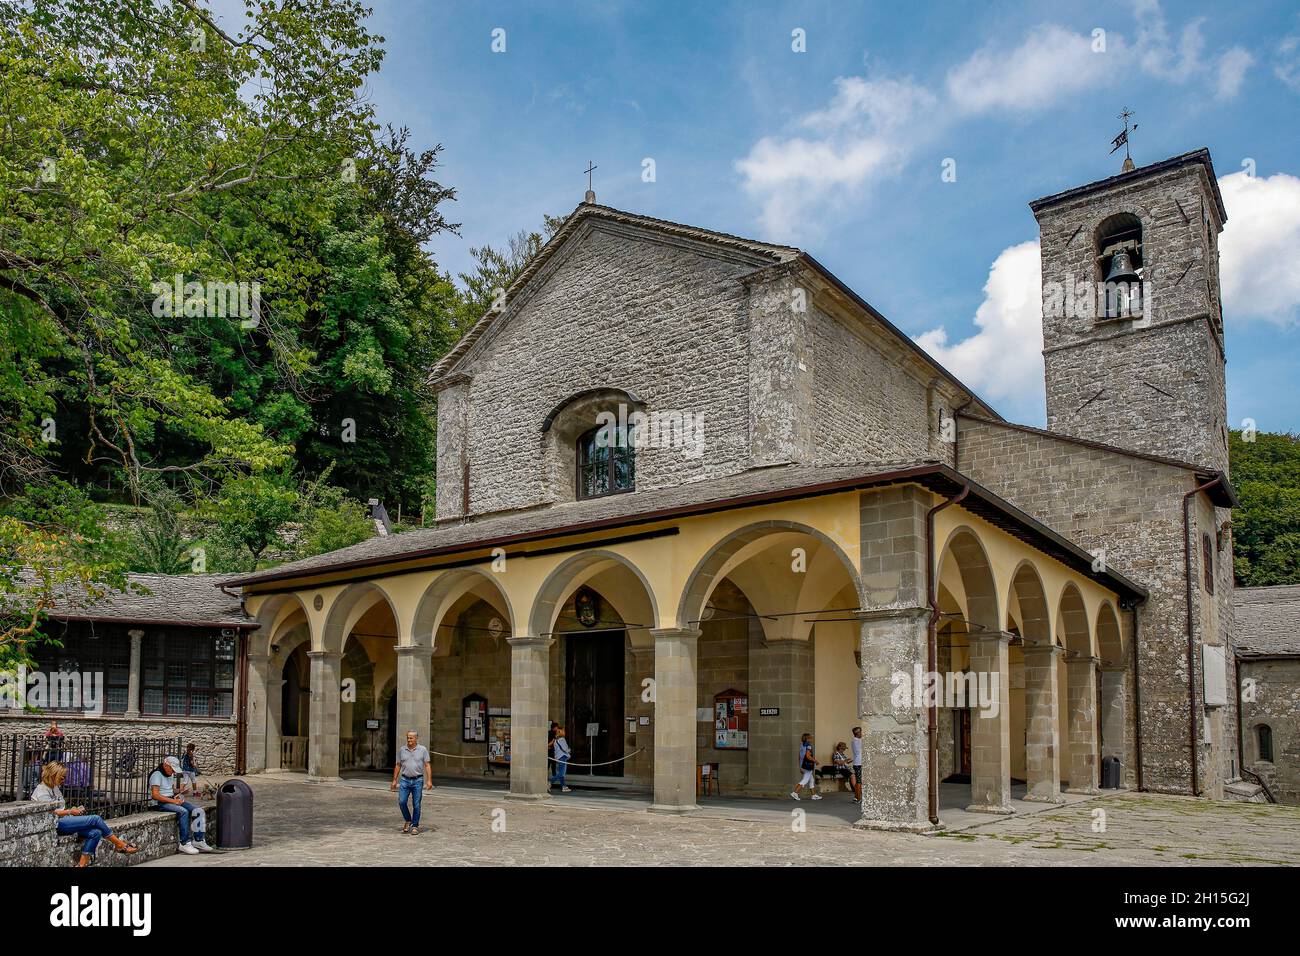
x,y
1132,320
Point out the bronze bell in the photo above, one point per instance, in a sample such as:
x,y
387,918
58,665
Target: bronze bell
x,y
1121,268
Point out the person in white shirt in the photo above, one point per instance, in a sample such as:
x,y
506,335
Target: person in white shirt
x,y
75,819
561,754
856,744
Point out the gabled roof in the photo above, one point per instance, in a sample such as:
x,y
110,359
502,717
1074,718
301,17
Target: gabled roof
x,y
583,213
754,487
161,600
1197,156
775,254
1267,621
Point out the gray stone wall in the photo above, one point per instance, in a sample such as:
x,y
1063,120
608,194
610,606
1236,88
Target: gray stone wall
x,y
1154,384
869,405
1132,508
1276,704
215,739
28,837
666,322
778,371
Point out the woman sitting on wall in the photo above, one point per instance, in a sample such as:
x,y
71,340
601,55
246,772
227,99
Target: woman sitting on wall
x,y
74,819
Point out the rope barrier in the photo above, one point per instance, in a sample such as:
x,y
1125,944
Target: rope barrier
x,y
605,763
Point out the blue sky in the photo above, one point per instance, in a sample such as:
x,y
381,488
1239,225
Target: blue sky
x,y
839,149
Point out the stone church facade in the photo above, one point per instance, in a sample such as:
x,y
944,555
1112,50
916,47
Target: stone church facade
x,y
696,497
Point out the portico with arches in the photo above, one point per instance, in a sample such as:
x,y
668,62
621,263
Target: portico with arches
x,y
810,604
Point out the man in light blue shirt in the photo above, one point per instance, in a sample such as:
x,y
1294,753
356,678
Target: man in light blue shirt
x,y
189,816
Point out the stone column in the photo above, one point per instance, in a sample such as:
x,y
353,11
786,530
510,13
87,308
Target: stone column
x,y
530,665
895,745
990,751
1114,713
781,676
326,689
676,658
414,694
1082,703
1042,746
257,714
133,675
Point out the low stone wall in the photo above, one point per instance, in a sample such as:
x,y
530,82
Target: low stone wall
x,y
28,837
215,739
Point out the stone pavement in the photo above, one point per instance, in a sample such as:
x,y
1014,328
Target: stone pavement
x,y
356,823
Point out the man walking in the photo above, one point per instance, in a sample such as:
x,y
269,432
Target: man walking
x,y
413,770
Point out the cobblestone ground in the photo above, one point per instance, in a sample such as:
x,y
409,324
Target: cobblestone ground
x,y
323,825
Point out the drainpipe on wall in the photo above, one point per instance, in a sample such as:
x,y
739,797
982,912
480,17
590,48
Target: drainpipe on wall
x,y
1137,699
1192,736
932,650
241,722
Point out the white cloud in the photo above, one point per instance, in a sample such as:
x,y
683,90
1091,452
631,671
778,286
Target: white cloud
x,y
1287,64
1157,55
1260,277
1003,360
1050,63
1259,250
864,134
1232,71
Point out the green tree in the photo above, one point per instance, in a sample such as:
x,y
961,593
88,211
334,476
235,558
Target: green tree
x,y
159,543
496,269
1266,526
248,516
139,137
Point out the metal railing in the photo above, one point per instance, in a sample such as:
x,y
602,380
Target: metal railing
x,y
1268,794
106,775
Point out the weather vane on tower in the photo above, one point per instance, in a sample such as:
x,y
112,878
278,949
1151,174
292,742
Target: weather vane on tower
x,y
1122,140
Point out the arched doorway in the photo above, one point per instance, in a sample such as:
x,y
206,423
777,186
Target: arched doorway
x,y
597,610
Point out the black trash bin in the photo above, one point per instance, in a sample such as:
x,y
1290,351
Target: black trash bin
x,y
234,816
1110,776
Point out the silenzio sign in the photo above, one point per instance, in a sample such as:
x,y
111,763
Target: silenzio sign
x,y
77,909
60,690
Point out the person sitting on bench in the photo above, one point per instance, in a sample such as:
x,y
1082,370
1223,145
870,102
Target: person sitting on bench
x,y
75,820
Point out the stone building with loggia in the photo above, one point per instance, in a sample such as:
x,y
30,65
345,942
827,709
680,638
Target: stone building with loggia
x,y
846,512
168,654
697,497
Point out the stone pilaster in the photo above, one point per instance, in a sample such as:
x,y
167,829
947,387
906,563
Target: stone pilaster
x,y
133,675
780,675
1114,713
1081,699
895,774
642,765
326,689
274,711
990,751
1042,735
676,659
530,665
414,694
256,714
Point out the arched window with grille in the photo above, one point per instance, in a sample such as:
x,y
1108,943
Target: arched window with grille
x,y
606,461
1264,736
